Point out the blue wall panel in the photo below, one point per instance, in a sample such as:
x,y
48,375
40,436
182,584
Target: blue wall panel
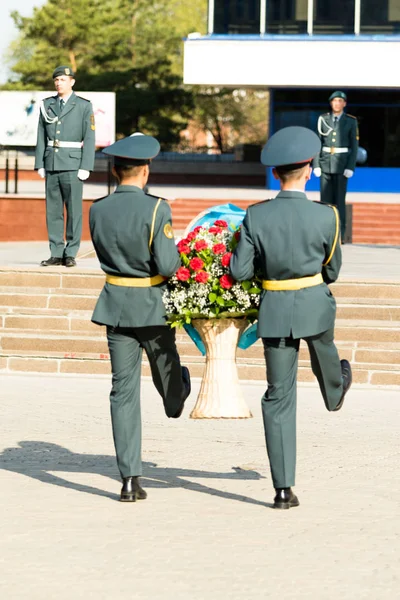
x,y
365,179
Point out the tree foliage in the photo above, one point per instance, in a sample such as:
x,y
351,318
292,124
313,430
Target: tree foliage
x,y
131,47
232,116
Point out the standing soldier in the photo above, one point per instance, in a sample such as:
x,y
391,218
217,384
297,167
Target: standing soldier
x,y
64,156
294,243
134,241
336,161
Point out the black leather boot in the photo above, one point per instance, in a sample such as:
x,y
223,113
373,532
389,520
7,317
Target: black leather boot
x,y
131,490
53,261
347,379
186,394
285,498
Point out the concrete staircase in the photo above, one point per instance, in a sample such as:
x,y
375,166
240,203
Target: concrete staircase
x,y
45,327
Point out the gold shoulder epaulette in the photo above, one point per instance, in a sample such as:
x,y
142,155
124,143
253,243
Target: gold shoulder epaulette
x,y
352,116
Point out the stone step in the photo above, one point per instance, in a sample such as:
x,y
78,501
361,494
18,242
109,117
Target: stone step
x,y
51,278
53,319
383,342
382,375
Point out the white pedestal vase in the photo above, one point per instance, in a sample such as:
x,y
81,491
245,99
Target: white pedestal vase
x,y
220,395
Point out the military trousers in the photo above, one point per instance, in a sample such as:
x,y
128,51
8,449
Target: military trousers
x,y
333,191
126,347
63,188
280,400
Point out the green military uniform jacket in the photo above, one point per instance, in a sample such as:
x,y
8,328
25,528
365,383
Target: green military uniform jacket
x,y
133,237
287,238
74,124
345,135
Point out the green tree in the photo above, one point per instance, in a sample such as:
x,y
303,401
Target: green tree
x,y
232,116
132,47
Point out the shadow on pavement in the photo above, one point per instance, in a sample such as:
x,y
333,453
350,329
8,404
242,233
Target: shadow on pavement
x,y
39,460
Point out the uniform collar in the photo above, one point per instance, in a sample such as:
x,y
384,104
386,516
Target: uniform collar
x,y
127,188
295,194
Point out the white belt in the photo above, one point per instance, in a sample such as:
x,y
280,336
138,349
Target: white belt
x,y
58,144
334,150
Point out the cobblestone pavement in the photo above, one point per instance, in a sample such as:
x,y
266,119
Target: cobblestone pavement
x,y
207,529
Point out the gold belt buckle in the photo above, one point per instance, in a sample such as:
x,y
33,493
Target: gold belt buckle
x,y
332,149
56,144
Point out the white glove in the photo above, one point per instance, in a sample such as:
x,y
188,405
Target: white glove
x,y
317,171
82,174
348,173
42,173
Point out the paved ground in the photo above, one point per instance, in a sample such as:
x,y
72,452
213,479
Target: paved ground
x,y
207,529
360,261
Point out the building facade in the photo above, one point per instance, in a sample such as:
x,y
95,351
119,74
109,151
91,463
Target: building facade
x,y
302,50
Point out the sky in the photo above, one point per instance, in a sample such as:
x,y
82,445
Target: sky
x,y
7,30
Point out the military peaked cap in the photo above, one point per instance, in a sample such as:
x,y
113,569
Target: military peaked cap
x,y
137,149
338,94
63,70
290,146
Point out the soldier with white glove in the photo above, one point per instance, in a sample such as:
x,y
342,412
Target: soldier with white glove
x,y
335,164
64,158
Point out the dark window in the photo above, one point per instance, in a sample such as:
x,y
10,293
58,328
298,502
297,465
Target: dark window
x,y
380,17
286,16
377,112
237,16
334,16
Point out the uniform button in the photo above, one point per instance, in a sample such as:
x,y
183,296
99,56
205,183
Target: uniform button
x,y
58,122
56,150
58,131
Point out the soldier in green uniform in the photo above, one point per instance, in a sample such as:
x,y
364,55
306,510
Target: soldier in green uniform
x,y
134,242
64,156
294,244
336,161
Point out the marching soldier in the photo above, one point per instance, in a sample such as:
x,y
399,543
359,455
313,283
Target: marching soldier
x,y
134,241
336,161
294,243
64,156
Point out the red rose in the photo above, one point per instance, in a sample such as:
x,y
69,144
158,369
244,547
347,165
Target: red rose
x,y
200,245
197,229
221,223
196,264
183,248
226,282
190,236
219,248
226,259
215,229
202,277
183,274
237,235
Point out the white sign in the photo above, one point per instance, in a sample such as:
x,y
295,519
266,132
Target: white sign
x,y
19,116
292,63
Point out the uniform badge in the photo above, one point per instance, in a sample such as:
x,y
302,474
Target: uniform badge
x,y
67,71
168,231
92,125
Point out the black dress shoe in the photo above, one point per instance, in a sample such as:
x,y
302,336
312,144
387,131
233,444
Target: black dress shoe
x,y
69,261
131,490
347,379
188,387
53,261
285,498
